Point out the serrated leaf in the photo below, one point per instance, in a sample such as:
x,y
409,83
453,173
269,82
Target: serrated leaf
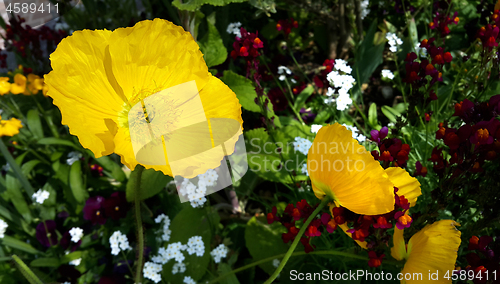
x,y
212,47
194,5
243,88
34,123
264,156
303,96
76,182
152,182
263,241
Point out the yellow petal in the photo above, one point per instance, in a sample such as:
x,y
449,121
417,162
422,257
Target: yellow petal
x,y
19,85
4,85
398,251
434,249
342,169
344,228
80,88
406,184
10,127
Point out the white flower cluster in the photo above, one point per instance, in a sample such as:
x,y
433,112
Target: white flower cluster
x,y
73,157
315,128
420,51
276,262
178,268
3,228
303,169
118,241
387,74
76,234
234,28
152,271
196,194
302,145
188,280
343,82
195,245
355,133
283,71
166,225
364,8
40,196
219,252
394,41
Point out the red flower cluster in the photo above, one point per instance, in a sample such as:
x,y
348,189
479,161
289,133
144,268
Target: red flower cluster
x,y
442,19
19,38
416,72
473,143
489,33
287,25
485,261
392,150
247,46
302,211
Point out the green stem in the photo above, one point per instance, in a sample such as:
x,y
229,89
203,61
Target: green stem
x,y
300,253
138,219
26,271
289,253
17,170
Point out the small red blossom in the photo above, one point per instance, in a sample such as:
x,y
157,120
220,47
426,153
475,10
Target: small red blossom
x,y
375,260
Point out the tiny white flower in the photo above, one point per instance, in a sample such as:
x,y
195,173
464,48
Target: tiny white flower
x,y
315,128
303,169
188,280
3,228
76,234
40,196
75,262
73,157
387,74
234,28
276,263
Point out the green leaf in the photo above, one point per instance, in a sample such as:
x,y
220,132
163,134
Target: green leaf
x,y
71,256
57,141
109,165
26,271
14,194
372,115
212,47
187,223
390,113
412,29
76,182
194,5
152,182
264,156
264,241
243,88
34,123
45,262
18,244
231,279
303,96
28,167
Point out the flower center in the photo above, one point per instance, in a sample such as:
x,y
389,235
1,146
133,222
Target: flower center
x,y
97,213
117,208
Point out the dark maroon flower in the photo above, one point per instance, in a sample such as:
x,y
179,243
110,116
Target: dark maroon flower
x,y
278,99
68,273
46,233
116,205
94,210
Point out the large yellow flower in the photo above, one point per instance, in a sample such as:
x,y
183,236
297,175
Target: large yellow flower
x,y
19,85
430,252
104,81
4,85
9,127
343,170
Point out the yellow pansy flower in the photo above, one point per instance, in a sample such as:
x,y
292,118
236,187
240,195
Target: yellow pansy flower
x,y
343,170
35,84
101,78
4,85
432,252
9,127
19,85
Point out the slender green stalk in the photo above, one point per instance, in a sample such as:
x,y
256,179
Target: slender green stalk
x,y
289,253
138,219
26,271
17,170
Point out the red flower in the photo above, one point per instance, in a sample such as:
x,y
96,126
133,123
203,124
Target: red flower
x,y
375,261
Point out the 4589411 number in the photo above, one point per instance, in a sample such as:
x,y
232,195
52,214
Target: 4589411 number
x,y
32,8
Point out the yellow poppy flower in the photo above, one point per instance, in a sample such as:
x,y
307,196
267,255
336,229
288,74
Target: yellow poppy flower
x,y
9,127
19,85
432,252
343,170
35,84
116,89
4,85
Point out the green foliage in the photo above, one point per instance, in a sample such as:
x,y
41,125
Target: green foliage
x,y
211,46
194,5
151,183
243,88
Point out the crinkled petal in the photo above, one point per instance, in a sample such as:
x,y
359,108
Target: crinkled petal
x,y
406,184
342,169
